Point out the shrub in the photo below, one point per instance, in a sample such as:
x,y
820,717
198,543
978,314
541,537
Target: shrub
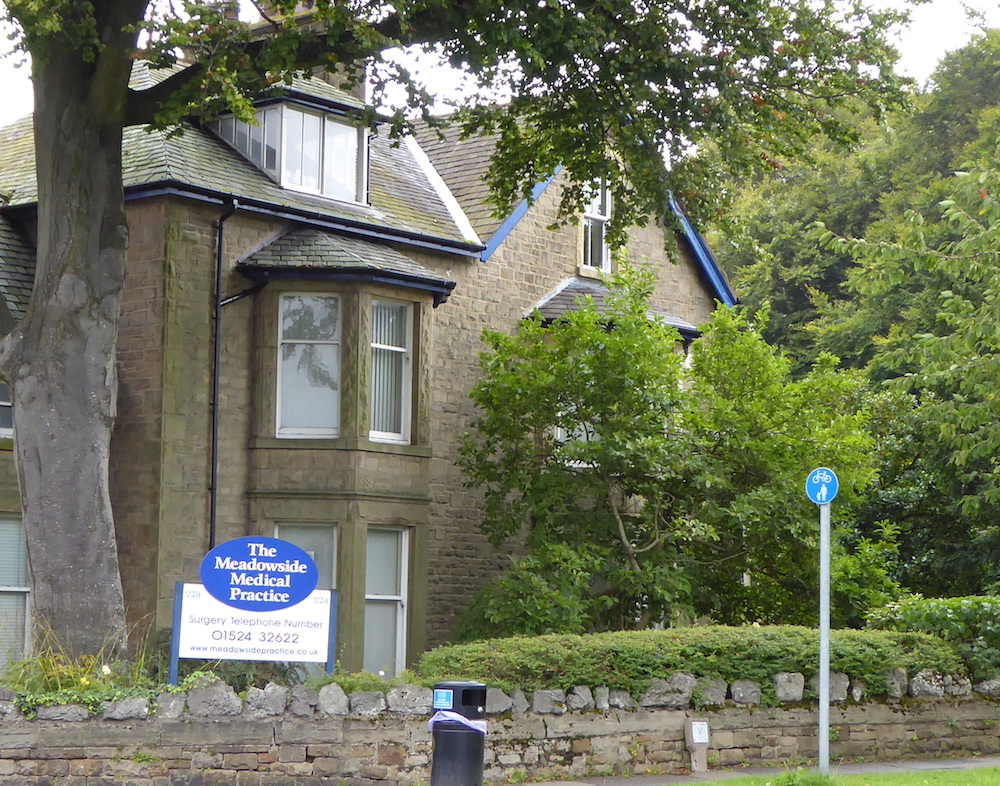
x,y
971,623
351,682
547,591
630,659
239,674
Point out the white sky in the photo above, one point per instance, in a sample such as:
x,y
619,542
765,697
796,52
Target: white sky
x,y
939,26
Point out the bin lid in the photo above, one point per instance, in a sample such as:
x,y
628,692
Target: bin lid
x,y
458,684
466,698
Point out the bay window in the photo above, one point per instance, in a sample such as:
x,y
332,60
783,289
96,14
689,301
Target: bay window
x,y
340,375
386,578
391,371
309,366
340,450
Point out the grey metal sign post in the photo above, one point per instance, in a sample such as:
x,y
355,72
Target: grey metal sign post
x,y
821,487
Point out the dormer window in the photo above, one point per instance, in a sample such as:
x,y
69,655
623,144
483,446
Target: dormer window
x,y
596,215
302,150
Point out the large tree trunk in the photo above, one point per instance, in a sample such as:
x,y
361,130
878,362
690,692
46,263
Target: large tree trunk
x,y
61,359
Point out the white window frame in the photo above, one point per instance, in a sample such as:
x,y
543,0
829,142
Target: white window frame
x,y
401,437
7,403
307,432
401,599
25,591
244,136
327,527
584,433
596,216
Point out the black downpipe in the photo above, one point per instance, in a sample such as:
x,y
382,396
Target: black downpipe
x,y
216,372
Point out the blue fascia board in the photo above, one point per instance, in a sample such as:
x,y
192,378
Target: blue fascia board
x,y
723,293
515,217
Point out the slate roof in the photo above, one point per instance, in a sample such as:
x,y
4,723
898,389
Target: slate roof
x,y
143,77
17,269
404,202
310,248
402,199
569,294
463,164
303,251
17,162
315,87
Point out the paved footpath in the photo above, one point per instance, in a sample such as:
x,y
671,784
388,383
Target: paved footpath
x,y
714,776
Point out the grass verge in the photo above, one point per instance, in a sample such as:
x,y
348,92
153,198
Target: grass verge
x,y
987,776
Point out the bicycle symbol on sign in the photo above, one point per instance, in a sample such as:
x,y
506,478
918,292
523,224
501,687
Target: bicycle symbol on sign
x,y
822,485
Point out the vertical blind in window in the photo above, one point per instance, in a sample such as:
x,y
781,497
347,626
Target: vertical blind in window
x,y
13,590
390,388
309,366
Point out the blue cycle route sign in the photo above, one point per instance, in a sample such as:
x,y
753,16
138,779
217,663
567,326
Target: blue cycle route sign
x,y
822,485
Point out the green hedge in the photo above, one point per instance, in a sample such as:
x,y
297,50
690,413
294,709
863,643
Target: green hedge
x,y
629,660
971,623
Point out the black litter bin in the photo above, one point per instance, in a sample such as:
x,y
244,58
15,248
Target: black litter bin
x,y
458,730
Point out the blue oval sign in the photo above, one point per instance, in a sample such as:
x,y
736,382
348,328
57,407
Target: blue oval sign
x,y
259,574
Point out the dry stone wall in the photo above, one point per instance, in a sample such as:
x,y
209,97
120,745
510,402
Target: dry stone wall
x,y
299,736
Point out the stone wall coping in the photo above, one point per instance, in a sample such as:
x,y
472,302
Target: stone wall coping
x,y
680,691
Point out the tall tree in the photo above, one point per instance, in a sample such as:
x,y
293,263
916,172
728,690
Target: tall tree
x,y
821,299
881,306
647,489
648,81
952,363
775,262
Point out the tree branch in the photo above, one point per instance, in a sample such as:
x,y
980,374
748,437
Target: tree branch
x,y
622,535
353,43
141,105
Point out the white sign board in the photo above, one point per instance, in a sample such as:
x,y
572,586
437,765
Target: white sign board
x,y
211,630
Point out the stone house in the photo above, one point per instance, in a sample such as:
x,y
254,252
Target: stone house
x,y
327,290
